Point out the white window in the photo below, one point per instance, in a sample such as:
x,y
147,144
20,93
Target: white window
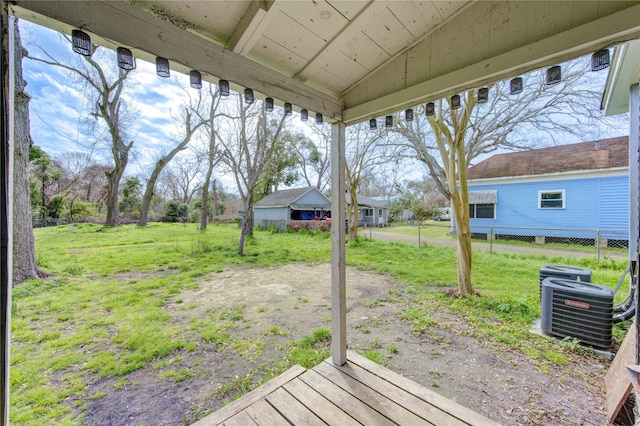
x,y
551,199
482,211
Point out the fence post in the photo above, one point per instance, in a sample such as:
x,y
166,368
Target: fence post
x,y
370,234
491,239
419,234
598,245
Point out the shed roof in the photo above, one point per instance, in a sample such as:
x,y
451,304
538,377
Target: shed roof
x,y
287,197
594,155
364,201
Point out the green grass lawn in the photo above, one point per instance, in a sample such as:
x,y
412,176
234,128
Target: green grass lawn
x,y
101,313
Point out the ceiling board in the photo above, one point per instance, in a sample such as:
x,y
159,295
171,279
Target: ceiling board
x,y
448,8
319,18
218,18
390,35
417,17
274,55
293,36
349,8
357,47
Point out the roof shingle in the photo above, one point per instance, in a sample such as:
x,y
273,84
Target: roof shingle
x,y
595,155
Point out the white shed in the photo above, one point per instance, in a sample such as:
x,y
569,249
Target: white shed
x,y
286,205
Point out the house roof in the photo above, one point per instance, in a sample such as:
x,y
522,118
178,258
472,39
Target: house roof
x,y
287,197
594,155
364,201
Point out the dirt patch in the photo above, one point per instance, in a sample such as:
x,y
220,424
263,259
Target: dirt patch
x,y
295,299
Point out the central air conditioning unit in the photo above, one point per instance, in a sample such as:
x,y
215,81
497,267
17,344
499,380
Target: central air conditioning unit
x,y
577,309
567,272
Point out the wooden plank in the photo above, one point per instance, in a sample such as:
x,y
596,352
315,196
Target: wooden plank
x,y
429,412
240,419
317,403
370,397
265,415
617,382
445,404
260,392
344,400
294,411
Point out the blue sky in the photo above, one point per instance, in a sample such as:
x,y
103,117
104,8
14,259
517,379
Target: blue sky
x,y
57,104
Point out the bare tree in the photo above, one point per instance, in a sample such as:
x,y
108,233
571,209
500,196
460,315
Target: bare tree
x,y
541,115
104,91
365,150
24,255
191,126
248,147
313,156
212,154
448,141
181,178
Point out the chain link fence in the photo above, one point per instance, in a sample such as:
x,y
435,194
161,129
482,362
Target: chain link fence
x,y
601,242
598,238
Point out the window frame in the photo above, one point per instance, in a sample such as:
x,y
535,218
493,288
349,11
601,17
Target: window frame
x,y
563,199
473,213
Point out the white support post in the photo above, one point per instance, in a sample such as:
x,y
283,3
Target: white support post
x,y
338,249
634,198
634,178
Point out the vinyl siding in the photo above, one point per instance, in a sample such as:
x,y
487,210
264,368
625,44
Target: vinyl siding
x,y
590,203
270,213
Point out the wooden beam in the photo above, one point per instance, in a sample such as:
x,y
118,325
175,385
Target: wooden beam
x,y
119,23
338,249
374,96
251,27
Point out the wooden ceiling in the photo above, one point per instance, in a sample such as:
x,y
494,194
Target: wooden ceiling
x,y
351,59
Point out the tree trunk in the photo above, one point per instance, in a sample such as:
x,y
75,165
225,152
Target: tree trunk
x,y
24,255
113,184
149,191
463,235
121,158
353,217
204,207
214,196
247,227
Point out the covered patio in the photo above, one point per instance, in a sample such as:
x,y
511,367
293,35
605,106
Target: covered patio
x,y
343,62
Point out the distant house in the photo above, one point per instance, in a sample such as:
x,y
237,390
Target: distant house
x,y
371,211
582,186
281,207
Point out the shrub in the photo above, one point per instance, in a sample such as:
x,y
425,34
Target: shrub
x,y
175,211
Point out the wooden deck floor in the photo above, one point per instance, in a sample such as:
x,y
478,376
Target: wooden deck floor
x,y
357,393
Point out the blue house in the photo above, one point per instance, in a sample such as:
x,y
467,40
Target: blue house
x,y
563,192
